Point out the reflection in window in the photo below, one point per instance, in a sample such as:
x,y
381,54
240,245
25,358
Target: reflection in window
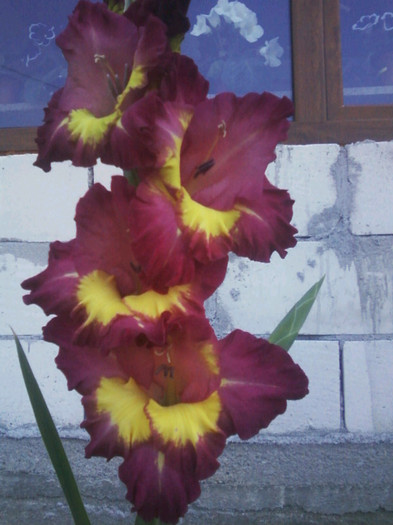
x,y
241,46
367,51
32,67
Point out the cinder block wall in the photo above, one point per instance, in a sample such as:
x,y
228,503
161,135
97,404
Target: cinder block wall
x,y
343,212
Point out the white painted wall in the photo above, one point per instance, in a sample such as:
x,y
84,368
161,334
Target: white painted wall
x,y
343,212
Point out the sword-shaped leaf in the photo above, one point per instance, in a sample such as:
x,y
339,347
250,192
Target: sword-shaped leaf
x,y
288,329
52,441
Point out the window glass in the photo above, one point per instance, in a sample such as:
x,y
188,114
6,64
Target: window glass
x,y
367,51
31,65
241,46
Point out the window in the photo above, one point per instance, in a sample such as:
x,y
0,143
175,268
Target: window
x,y
320,112
293,47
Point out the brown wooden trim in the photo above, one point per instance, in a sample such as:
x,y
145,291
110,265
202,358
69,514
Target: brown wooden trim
x,y
308,60
340,131
17,140
332,47
320,115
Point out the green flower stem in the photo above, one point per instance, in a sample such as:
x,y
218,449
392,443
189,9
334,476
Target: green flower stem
x,y
156,521
132,177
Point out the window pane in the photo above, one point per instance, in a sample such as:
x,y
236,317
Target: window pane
x,y
31,65
238,46
367,51
241,46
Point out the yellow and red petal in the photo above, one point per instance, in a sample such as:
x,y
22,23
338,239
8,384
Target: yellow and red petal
x,y
115,319
103,236
161,482
104,79
158,488
257,378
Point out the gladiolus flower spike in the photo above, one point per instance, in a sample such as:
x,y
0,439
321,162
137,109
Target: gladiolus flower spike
x,y
126,295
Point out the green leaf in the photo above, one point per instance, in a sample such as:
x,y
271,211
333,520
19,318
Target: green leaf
x,y
156,521
288,329
52,440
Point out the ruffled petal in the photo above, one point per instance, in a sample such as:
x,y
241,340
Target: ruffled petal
x,y
104,79
264,225
54,288
103,238
161,482
83,366
156,486
257,378
229,144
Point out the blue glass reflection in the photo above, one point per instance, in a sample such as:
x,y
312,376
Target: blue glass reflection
x,y
367,51
241,46
32,67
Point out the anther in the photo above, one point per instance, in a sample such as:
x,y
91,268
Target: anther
x,y
203,168
99,58
136,268
112,88
117,84
223,128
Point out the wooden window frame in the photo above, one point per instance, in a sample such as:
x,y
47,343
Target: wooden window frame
x,y
320,114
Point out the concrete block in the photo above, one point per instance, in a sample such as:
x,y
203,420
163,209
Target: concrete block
x,y
320,409
255,296
368,386
307,172
38,206
16,415
371,176
104,172
17,263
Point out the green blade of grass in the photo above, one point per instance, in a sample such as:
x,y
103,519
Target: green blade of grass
x,y
288,329
52,440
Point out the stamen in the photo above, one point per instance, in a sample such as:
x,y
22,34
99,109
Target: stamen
x,y
223,128
112,88
99,58
136,268
203,168
117,84
168,371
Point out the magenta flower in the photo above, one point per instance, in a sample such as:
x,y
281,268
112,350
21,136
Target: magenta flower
x,y
168,410
211,195
96,279
114,61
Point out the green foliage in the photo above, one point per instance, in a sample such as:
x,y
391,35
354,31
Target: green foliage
x,y
52,441
287,330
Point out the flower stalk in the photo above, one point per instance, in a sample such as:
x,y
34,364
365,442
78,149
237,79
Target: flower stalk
x,y
127,294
